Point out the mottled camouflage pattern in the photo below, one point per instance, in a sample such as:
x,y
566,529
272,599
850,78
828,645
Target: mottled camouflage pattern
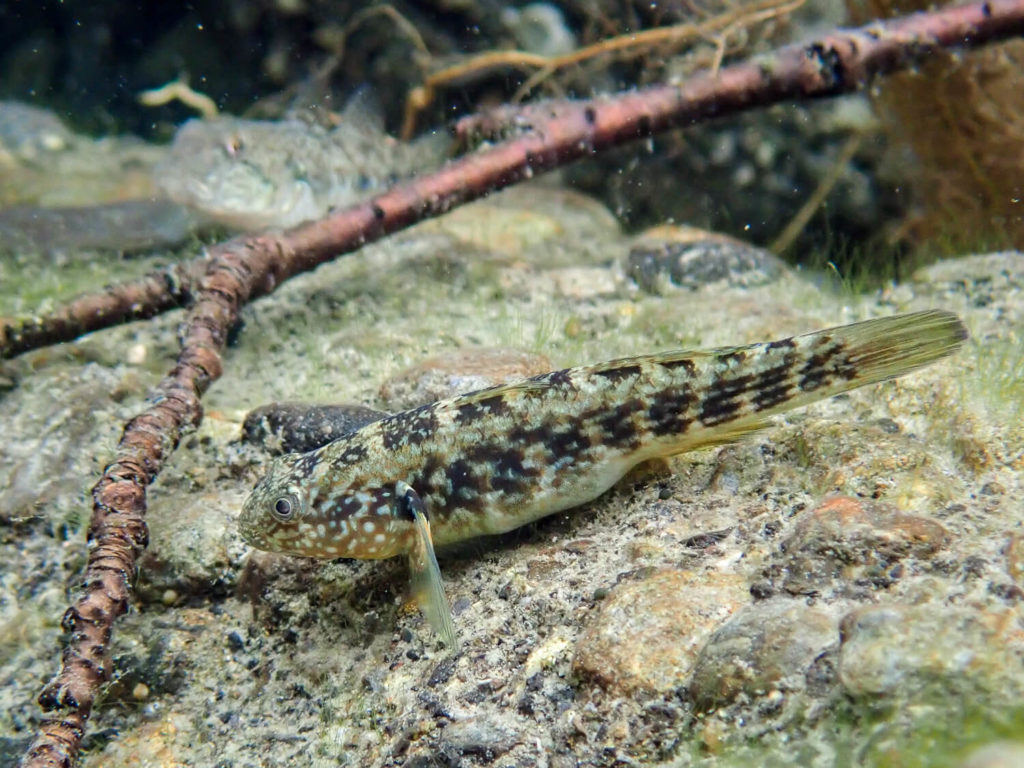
x,y
499,458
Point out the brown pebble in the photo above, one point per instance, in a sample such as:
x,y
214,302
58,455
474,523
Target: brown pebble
x,y
647,634
851,539
889,533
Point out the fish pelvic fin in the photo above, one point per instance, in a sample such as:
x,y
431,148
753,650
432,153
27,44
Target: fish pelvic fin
x,y
427,587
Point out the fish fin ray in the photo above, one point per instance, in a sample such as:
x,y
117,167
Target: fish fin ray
x,y
886,347
525,387
427,587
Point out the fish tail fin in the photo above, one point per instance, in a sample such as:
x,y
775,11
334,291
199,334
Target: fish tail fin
x,y
741,386
887,347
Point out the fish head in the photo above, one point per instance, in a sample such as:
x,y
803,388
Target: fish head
x,y
293,511
243,174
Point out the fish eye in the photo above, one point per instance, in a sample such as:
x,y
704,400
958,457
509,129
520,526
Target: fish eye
x,y
284,508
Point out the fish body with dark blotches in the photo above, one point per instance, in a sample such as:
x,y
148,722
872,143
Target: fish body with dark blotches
x,y
494,460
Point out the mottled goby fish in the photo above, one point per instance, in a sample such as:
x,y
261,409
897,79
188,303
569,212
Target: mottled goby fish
x,y
493,460
254,174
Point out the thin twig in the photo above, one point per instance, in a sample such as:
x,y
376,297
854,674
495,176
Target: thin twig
x,y
179,90
796,225
621,46
242,269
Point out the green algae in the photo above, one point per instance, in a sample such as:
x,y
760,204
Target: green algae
x,y
999,377
937,729
33,283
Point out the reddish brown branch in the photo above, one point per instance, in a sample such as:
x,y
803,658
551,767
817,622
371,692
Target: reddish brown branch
x,y
241,270
149,295
559,133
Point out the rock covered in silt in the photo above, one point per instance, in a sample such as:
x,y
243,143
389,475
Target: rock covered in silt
x,y
675,257
648,633
254,174
128,227
898,650
28,133
301,427
765,647
849,541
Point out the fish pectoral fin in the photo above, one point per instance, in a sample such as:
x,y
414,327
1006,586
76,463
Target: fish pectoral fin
x,y
427,586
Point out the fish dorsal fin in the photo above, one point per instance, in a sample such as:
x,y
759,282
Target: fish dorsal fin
x,y
697,355
663,358
514,389
427,586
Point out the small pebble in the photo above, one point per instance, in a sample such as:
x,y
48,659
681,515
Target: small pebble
x,y
992,488
766,645
1001,754
694,261
888,426
648,633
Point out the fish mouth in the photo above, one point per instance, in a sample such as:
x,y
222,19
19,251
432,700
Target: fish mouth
x,y
282,207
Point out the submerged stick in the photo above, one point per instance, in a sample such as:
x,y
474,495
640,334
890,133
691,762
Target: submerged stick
x,y
558,133
152,294
243,269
